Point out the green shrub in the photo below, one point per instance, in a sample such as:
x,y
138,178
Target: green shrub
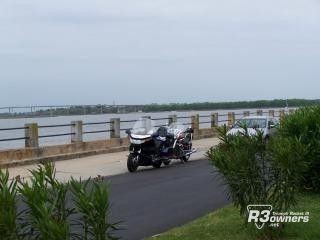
x,y
287,165
92,203
8,209
45,197
236,158
304,124
257,173
46,215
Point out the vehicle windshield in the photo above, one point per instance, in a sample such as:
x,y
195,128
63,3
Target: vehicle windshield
x,y
143,126
251,123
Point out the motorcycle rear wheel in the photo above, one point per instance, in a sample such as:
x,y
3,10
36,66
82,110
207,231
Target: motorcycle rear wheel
x,y
131,165
185,158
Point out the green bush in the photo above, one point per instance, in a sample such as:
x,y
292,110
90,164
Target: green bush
x,y
46,214
236,158
304,124
45,197
92,204
257,172
8,211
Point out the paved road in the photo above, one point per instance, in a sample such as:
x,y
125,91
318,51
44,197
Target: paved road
x,y
150,201
155,200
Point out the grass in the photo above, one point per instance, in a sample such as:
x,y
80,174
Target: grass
x,y
225,224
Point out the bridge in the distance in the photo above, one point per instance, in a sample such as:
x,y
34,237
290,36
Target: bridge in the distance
x,y
58,110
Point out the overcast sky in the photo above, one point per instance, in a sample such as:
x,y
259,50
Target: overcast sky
x,y
148,51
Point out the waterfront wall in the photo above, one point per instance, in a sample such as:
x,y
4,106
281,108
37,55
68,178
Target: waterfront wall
x,y
79,148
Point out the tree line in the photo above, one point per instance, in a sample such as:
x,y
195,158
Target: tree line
x,y
155,107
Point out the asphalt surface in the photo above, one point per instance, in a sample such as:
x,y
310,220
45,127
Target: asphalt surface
x,y
153,201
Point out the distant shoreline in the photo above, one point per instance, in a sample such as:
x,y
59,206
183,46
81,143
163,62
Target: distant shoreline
x,y
53,111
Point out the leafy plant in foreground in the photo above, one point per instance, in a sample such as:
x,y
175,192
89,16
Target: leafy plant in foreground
x,y
257,172
304,124
92,203
46,215
8,209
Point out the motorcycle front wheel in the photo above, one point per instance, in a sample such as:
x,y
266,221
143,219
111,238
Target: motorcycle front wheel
x,y
131,163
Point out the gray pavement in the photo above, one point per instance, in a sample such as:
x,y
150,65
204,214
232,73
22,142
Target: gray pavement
x,y
150,201
153,201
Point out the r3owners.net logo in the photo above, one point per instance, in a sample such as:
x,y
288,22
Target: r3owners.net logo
x,y
263,214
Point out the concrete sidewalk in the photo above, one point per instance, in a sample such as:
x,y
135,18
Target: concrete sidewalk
x,y
104,164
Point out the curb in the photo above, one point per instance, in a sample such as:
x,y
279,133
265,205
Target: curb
x,y
62,157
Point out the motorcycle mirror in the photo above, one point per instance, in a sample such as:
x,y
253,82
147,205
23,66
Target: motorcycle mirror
x,y
190,130
128,131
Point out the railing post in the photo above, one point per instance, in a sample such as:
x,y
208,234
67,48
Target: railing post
x,y
214,120
231,118
115,128
31,135
76,132
172,119
246,113
259,112
271,113
195,125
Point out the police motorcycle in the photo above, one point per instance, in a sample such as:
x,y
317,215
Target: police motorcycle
x,y
154,146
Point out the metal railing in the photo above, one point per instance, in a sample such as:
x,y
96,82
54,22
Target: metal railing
x,y
115,126
56,134
13,138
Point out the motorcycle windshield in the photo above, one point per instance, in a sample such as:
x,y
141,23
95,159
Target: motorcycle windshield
x,y
144,126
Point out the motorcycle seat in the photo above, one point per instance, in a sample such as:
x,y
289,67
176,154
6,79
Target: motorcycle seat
x,y
163,132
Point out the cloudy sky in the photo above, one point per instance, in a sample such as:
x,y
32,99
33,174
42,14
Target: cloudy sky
x,y
147,51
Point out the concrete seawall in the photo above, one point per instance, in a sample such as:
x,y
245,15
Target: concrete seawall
x,y
34,153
